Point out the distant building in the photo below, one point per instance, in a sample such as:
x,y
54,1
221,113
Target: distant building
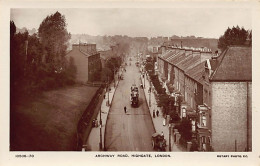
x,y
87,61
109,53
104,56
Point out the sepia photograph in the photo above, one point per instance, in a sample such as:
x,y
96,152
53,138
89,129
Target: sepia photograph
x,y
131,82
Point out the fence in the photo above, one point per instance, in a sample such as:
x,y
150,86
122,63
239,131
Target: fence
x,y
85,123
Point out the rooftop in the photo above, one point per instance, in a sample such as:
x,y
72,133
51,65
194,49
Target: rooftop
x,y
235,64
196,72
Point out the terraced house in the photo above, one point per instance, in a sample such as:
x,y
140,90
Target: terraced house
x,y
217,94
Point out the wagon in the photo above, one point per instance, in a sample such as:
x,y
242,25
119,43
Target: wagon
x,y
158,142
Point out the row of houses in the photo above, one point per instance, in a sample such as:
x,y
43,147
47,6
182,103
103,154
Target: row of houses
x,y
89,61
217,89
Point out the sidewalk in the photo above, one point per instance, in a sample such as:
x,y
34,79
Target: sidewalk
x,y
94,136
158,121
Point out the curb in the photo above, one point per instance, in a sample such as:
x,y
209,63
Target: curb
x,y
107,117
148,106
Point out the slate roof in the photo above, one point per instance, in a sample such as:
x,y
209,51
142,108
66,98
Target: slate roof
x,y
179,57
167,55
235,64
196,72
173,55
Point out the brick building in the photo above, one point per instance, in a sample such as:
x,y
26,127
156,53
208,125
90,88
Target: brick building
x,y
231,101
87,61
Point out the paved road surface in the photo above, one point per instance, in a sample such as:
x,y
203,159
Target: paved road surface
x,y
131,131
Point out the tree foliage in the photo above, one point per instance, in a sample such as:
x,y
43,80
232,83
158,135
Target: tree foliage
x,y
185,128
38,61
112,65
234,36
54,38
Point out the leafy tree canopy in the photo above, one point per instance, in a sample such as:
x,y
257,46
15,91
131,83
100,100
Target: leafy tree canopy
x,y
234,36
54,36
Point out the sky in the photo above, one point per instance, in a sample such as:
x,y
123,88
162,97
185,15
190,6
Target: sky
x,y
149,22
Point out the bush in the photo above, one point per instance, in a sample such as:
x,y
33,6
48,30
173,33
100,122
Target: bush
x,y
185,130
194,146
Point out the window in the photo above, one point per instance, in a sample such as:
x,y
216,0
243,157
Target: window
x,y
183,112
193,125
204,120
203,139
209,141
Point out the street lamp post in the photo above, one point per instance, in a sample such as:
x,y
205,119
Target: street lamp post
x,y
144,79
170,133
114,78
100,121
150,97
108,91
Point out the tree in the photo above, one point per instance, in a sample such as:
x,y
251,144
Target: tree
x,y
54,37
12,29
185,129
250,37
234,36
149,66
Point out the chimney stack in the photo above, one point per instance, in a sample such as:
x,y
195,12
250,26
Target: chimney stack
x,y
188,52
195,53
182,50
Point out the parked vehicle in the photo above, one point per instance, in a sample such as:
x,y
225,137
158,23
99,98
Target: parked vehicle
x,y
158,142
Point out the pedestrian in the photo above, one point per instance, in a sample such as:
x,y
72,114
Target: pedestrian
x,y
93,123
96,123
164,122
104,96
162,134
125,109
157,113
153,113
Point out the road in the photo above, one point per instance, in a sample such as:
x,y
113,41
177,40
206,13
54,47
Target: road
x,y
131,131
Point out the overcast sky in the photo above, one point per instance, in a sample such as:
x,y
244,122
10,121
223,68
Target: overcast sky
x,y
200,22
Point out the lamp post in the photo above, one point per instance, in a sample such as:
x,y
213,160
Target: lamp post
x,y
108,91
150,97
100,131
144,79
170,134
114,78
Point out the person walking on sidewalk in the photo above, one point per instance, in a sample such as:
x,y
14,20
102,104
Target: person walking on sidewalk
x,y
164,121
125,109
157,113
153,113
